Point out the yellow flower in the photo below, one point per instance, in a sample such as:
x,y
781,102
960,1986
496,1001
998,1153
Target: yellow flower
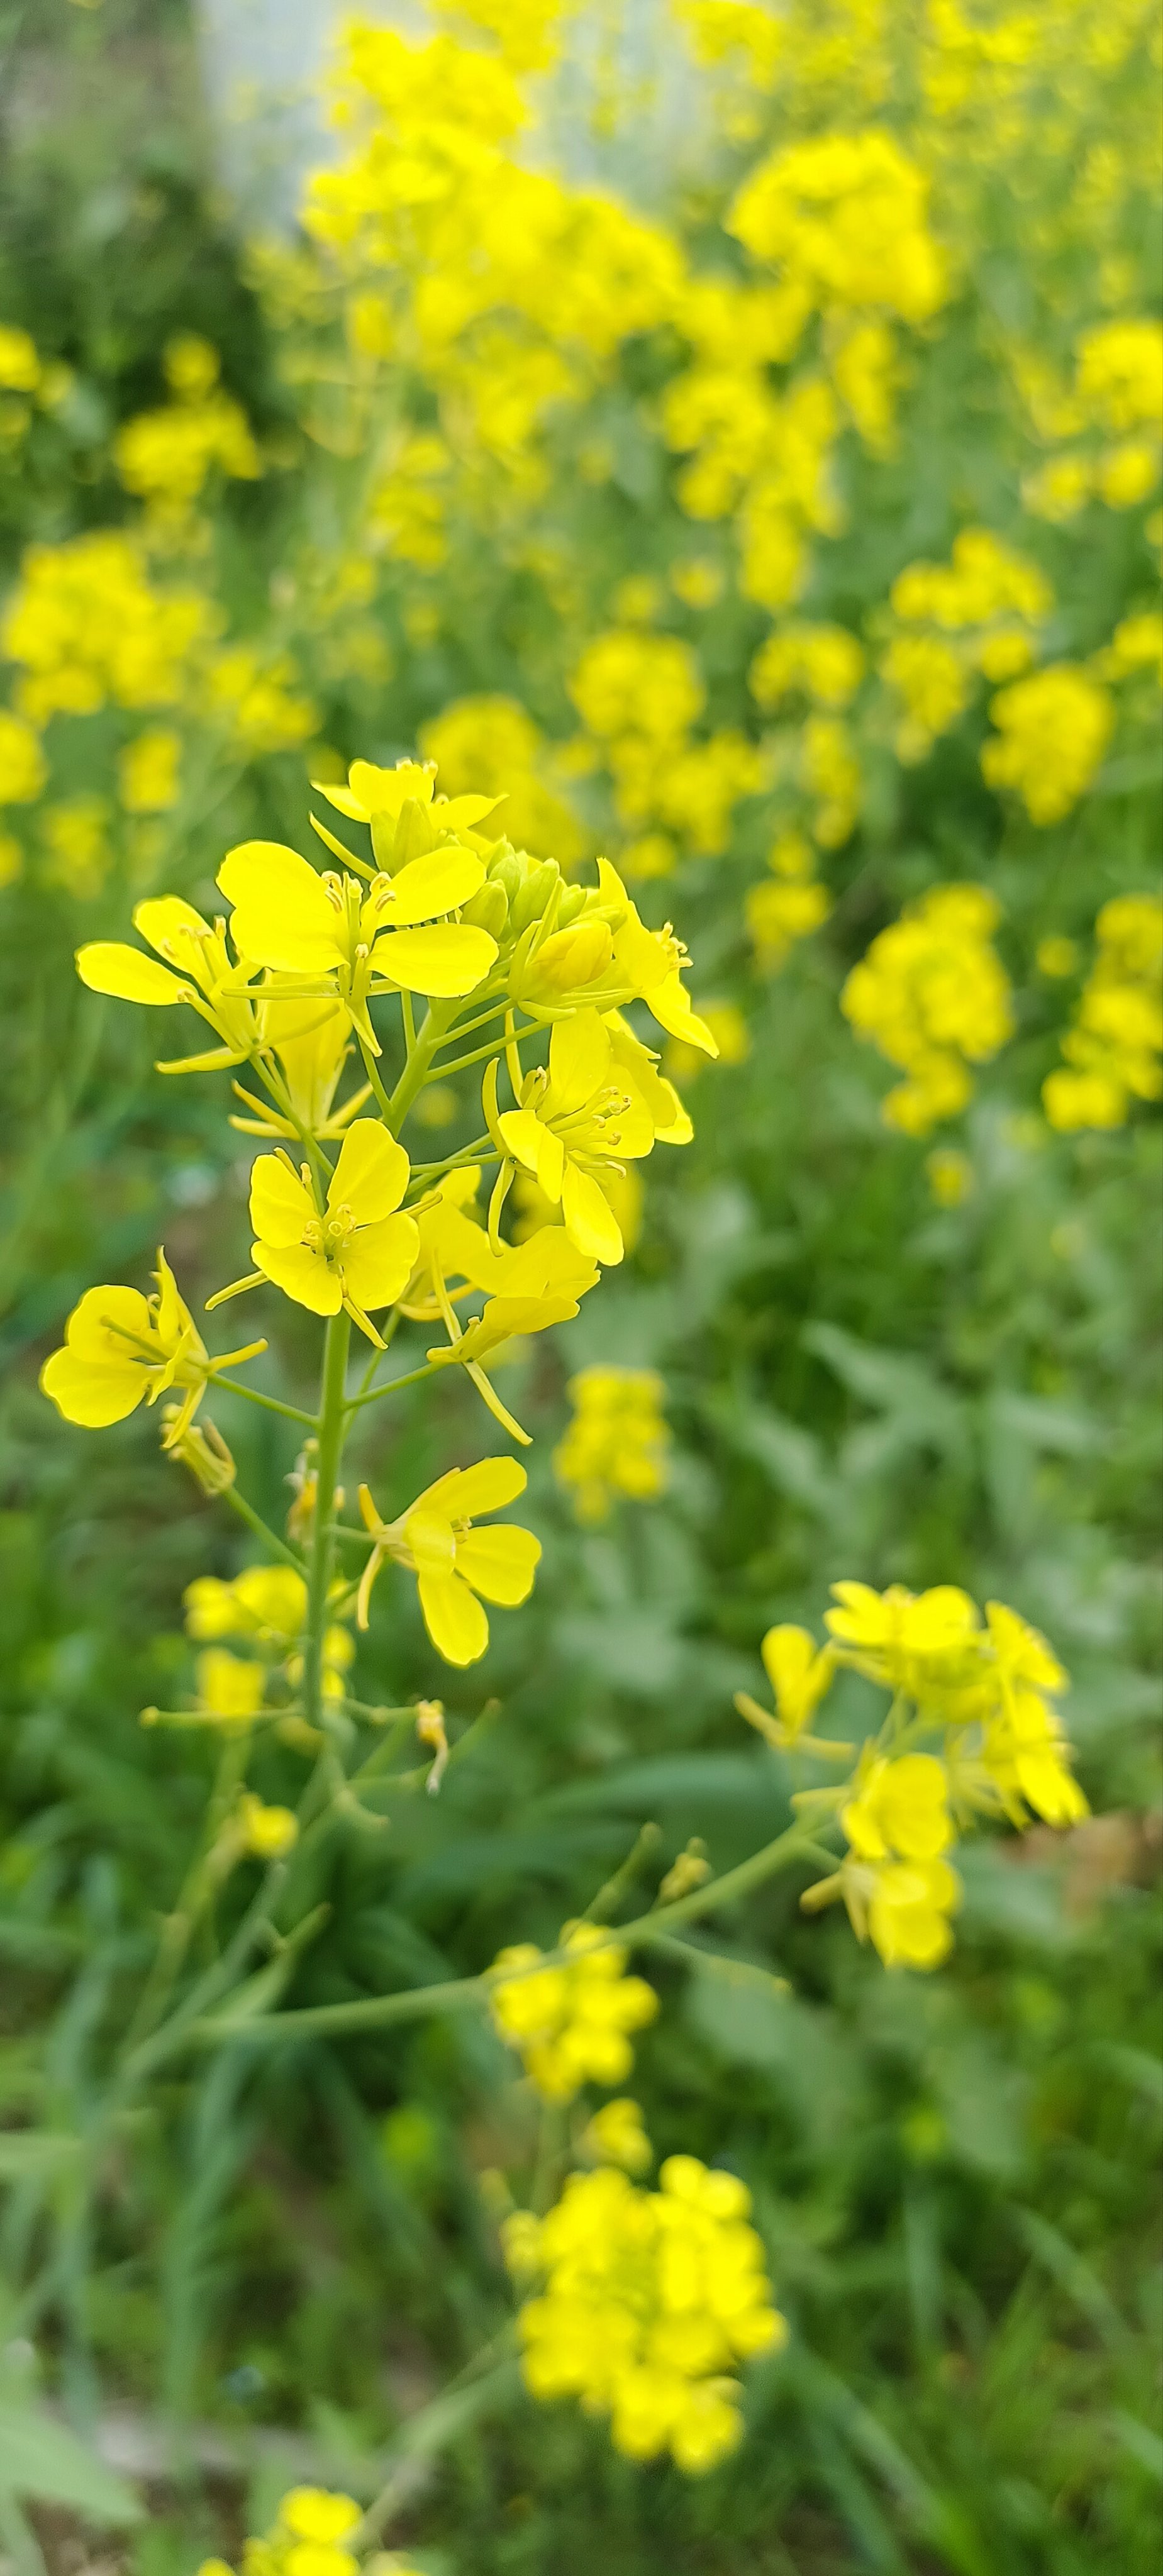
x,y
23,767
573,1122
899,1810
264,1601
650,2300
359,1252
1053,730
199,970
148,772
617,1441
537,1283
311,1043
1116,1042
269,1833
909,1905
571,2024
934,997
451,1560
122,1349
289,918
616,2135
778,915
315,2513
230,1689
910,1642
800,1673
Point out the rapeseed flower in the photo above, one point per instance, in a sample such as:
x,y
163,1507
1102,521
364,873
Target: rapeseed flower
x,y
122,1349
356,1252
933,995
295,922
1053,730
649,2302
573,1121
570,2023
453,1562
800,1673
617,1441
1115,1045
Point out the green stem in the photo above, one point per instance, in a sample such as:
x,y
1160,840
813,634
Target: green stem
x,y
394,1384
372,1071
269,1403
415,1073
332,1425
246,1512
374,2012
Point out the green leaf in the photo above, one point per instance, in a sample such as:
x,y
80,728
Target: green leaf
x,y
42,2461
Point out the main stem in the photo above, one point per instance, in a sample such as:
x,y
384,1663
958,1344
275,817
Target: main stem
x,y
332,1423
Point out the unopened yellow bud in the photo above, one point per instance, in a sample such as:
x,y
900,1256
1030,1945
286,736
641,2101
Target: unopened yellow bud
x,y
569,960
690,1870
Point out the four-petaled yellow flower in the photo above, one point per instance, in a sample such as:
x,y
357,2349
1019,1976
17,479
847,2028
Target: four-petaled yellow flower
x,y
571,2023
372,938
900,1809
198,970
358,1252
576,1121
452,1561
122,1349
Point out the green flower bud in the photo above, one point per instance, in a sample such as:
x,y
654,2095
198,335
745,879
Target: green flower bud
x,y
489,908
532,898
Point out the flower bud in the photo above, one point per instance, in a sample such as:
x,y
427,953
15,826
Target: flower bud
x,y
572,902
533,896
505,869
202,1449
489,908
568,961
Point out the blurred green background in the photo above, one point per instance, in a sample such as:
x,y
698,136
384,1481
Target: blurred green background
x,y
956,2177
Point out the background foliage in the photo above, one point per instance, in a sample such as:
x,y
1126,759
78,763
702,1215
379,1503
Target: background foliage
x,y
955,2176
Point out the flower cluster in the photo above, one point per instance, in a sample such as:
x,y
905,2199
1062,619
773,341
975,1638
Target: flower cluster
x,y
639,696
1117,397
986,1692
978,614
1052,733
350,1230
87,626
570,2022
617,1441
164,457
1114,1047
650,2300
313,2535
933,996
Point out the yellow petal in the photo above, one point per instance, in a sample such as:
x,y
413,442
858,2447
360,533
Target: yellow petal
x,y
671,1005
300,1274
110,1324
590,1221
384,791
281,1205
178,933
378,1261
282,916
371,1174
428,886
579,1059
428,1532
501,1563
109,966
93,1392
454,1618
535,1146
443,962
485,1487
